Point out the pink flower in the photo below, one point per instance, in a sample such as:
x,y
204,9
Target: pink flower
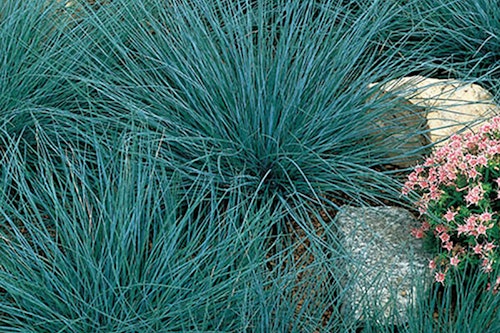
x,y
454,261
425,226
412,178
444,237
482,160
451,175
485,217
487,265
493,148
485,128
471,160
472,173
423,184
478,249
474,195
471,224
495,122
456,141
439,277
481,229
429,162
462,229
489,246
432,177
451,186
440,228
473,140
417,233
448,246
482,145
435,192
450,215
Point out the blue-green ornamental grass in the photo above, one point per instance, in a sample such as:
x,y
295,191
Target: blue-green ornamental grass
x,y
460,39
175,166
260,95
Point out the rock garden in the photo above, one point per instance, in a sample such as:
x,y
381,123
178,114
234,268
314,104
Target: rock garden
x,y
249,166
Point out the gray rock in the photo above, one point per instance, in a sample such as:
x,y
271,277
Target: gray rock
x,y
384,263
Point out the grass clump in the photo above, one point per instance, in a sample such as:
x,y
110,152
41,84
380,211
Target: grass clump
x,y
35,58
117,248
121,246
271,97
459,40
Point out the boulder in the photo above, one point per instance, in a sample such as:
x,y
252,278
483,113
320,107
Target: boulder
x,y
383,263
452,105
395,132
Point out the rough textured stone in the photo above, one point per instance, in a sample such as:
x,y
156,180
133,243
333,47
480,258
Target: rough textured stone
x,y
383,260
452,105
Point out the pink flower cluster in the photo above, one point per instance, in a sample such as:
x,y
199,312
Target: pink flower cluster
x,y
458,190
